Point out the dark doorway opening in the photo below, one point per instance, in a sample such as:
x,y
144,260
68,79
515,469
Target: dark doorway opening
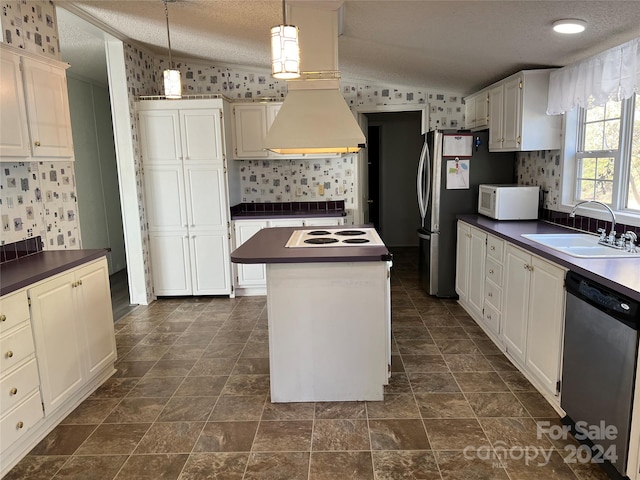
x,y
374,175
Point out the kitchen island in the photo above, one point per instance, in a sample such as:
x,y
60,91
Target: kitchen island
x,y
329,314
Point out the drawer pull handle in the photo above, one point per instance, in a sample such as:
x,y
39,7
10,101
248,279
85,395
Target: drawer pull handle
x,y
9,354
489,294
488,316
19,425
3,318
491,272
13,391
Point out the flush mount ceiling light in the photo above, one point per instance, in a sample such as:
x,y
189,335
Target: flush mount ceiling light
x,y
285,52
569,26
172,83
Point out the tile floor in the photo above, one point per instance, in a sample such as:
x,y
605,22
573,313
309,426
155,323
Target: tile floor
x,y
190,400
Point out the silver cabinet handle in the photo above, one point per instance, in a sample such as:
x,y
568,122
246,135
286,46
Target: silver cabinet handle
x,y
491,272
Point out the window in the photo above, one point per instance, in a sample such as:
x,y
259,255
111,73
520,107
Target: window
x,y
608,155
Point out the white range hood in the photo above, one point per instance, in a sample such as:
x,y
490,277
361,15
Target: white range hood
x,y
314,117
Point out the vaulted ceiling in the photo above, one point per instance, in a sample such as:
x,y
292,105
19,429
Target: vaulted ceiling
x,y
451,45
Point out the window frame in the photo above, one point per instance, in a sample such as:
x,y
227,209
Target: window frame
x,y
573,128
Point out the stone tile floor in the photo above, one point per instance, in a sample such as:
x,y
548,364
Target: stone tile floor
x,y
190,400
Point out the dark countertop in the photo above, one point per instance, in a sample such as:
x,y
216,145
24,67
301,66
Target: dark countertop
x,y
268,246
619,274
25,271
323,208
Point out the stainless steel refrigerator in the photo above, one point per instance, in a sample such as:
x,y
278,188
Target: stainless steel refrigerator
x,y
439,206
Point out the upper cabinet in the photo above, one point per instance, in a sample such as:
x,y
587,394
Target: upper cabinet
x,y
515,112
35,107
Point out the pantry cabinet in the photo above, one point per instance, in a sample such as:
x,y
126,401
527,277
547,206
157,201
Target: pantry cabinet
x,y
185,181
73,330
517,114
533,315
35,107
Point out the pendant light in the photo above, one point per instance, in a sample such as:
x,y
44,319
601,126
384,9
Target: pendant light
x,y
172,83
285,52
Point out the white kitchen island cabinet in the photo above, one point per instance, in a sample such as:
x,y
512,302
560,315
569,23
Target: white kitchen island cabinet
x,y
329,318
183,152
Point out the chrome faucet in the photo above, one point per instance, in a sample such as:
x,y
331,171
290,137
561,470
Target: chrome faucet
x,y
611,240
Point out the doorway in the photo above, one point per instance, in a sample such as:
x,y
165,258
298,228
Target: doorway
x,y
394,142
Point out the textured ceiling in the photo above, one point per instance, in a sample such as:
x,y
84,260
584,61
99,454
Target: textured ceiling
x,y
457,46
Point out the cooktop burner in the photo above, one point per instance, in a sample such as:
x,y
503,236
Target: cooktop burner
x,y
355,240
364,237
321,240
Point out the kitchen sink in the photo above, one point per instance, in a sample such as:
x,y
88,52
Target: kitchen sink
x,y
578,245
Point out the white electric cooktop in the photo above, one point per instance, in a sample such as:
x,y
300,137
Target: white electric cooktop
x,y
345,237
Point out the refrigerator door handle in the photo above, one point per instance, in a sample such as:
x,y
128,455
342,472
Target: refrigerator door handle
x,y
424,190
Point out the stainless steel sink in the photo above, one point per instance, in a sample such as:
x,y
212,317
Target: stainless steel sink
x,y
578,245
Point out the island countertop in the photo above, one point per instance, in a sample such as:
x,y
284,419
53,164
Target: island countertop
x,y
619,274
25,271
268,246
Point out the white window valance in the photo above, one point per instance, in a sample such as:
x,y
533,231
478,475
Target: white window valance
x,y
611,75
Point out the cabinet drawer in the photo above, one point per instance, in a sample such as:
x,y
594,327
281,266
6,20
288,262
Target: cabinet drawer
x,y
18,422
491,318
493,295
14,308
15,347
495,248
16,386
493,271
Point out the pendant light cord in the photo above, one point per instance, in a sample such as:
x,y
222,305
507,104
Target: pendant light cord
x,y
166,15
284,13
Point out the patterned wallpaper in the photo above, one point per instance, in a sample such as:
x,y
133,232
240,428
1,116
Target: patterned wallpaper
x,y
541,168
39,198
31,25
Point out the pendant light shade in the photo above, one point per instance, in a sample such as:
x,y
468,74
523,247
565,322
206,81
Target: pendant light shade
x,y
285,52
172,81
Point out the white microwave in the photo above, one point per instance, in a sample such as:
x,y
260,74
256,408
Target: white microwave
x,y
508,202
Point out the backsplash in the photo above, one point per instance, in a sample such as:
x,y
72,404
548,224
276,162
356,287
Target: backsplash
x,y
541,168
32,26
39,199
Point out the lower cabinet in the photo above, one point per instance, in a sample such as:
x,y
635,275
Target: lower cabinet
x,y
58,346
73,330
251,279
522,307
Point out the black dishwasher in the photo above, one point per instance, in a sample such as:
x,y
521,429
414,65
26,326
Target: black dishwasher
x,y
599,366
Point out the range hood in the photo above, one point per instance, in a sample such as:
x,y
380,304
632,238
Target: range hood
x,y
314,117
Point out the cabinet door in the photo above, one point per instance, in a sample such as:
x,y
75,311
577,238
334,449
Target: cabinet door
x,y
206,196
57,335
95,316
160,141
322,222
249,274
201,135
482,111
14,134
496,117
250,122
48,109
462,262
477,254
170,263
545,324
470,112
210,268
516,301
165,197
512,114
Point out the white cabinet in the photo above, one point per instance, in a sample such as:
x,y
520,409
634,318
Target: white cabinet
x,y
533,315
250,130
35,107
476,111
185,182
14,134
517,114
73,331
251,279
471,248
493,284
20,407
